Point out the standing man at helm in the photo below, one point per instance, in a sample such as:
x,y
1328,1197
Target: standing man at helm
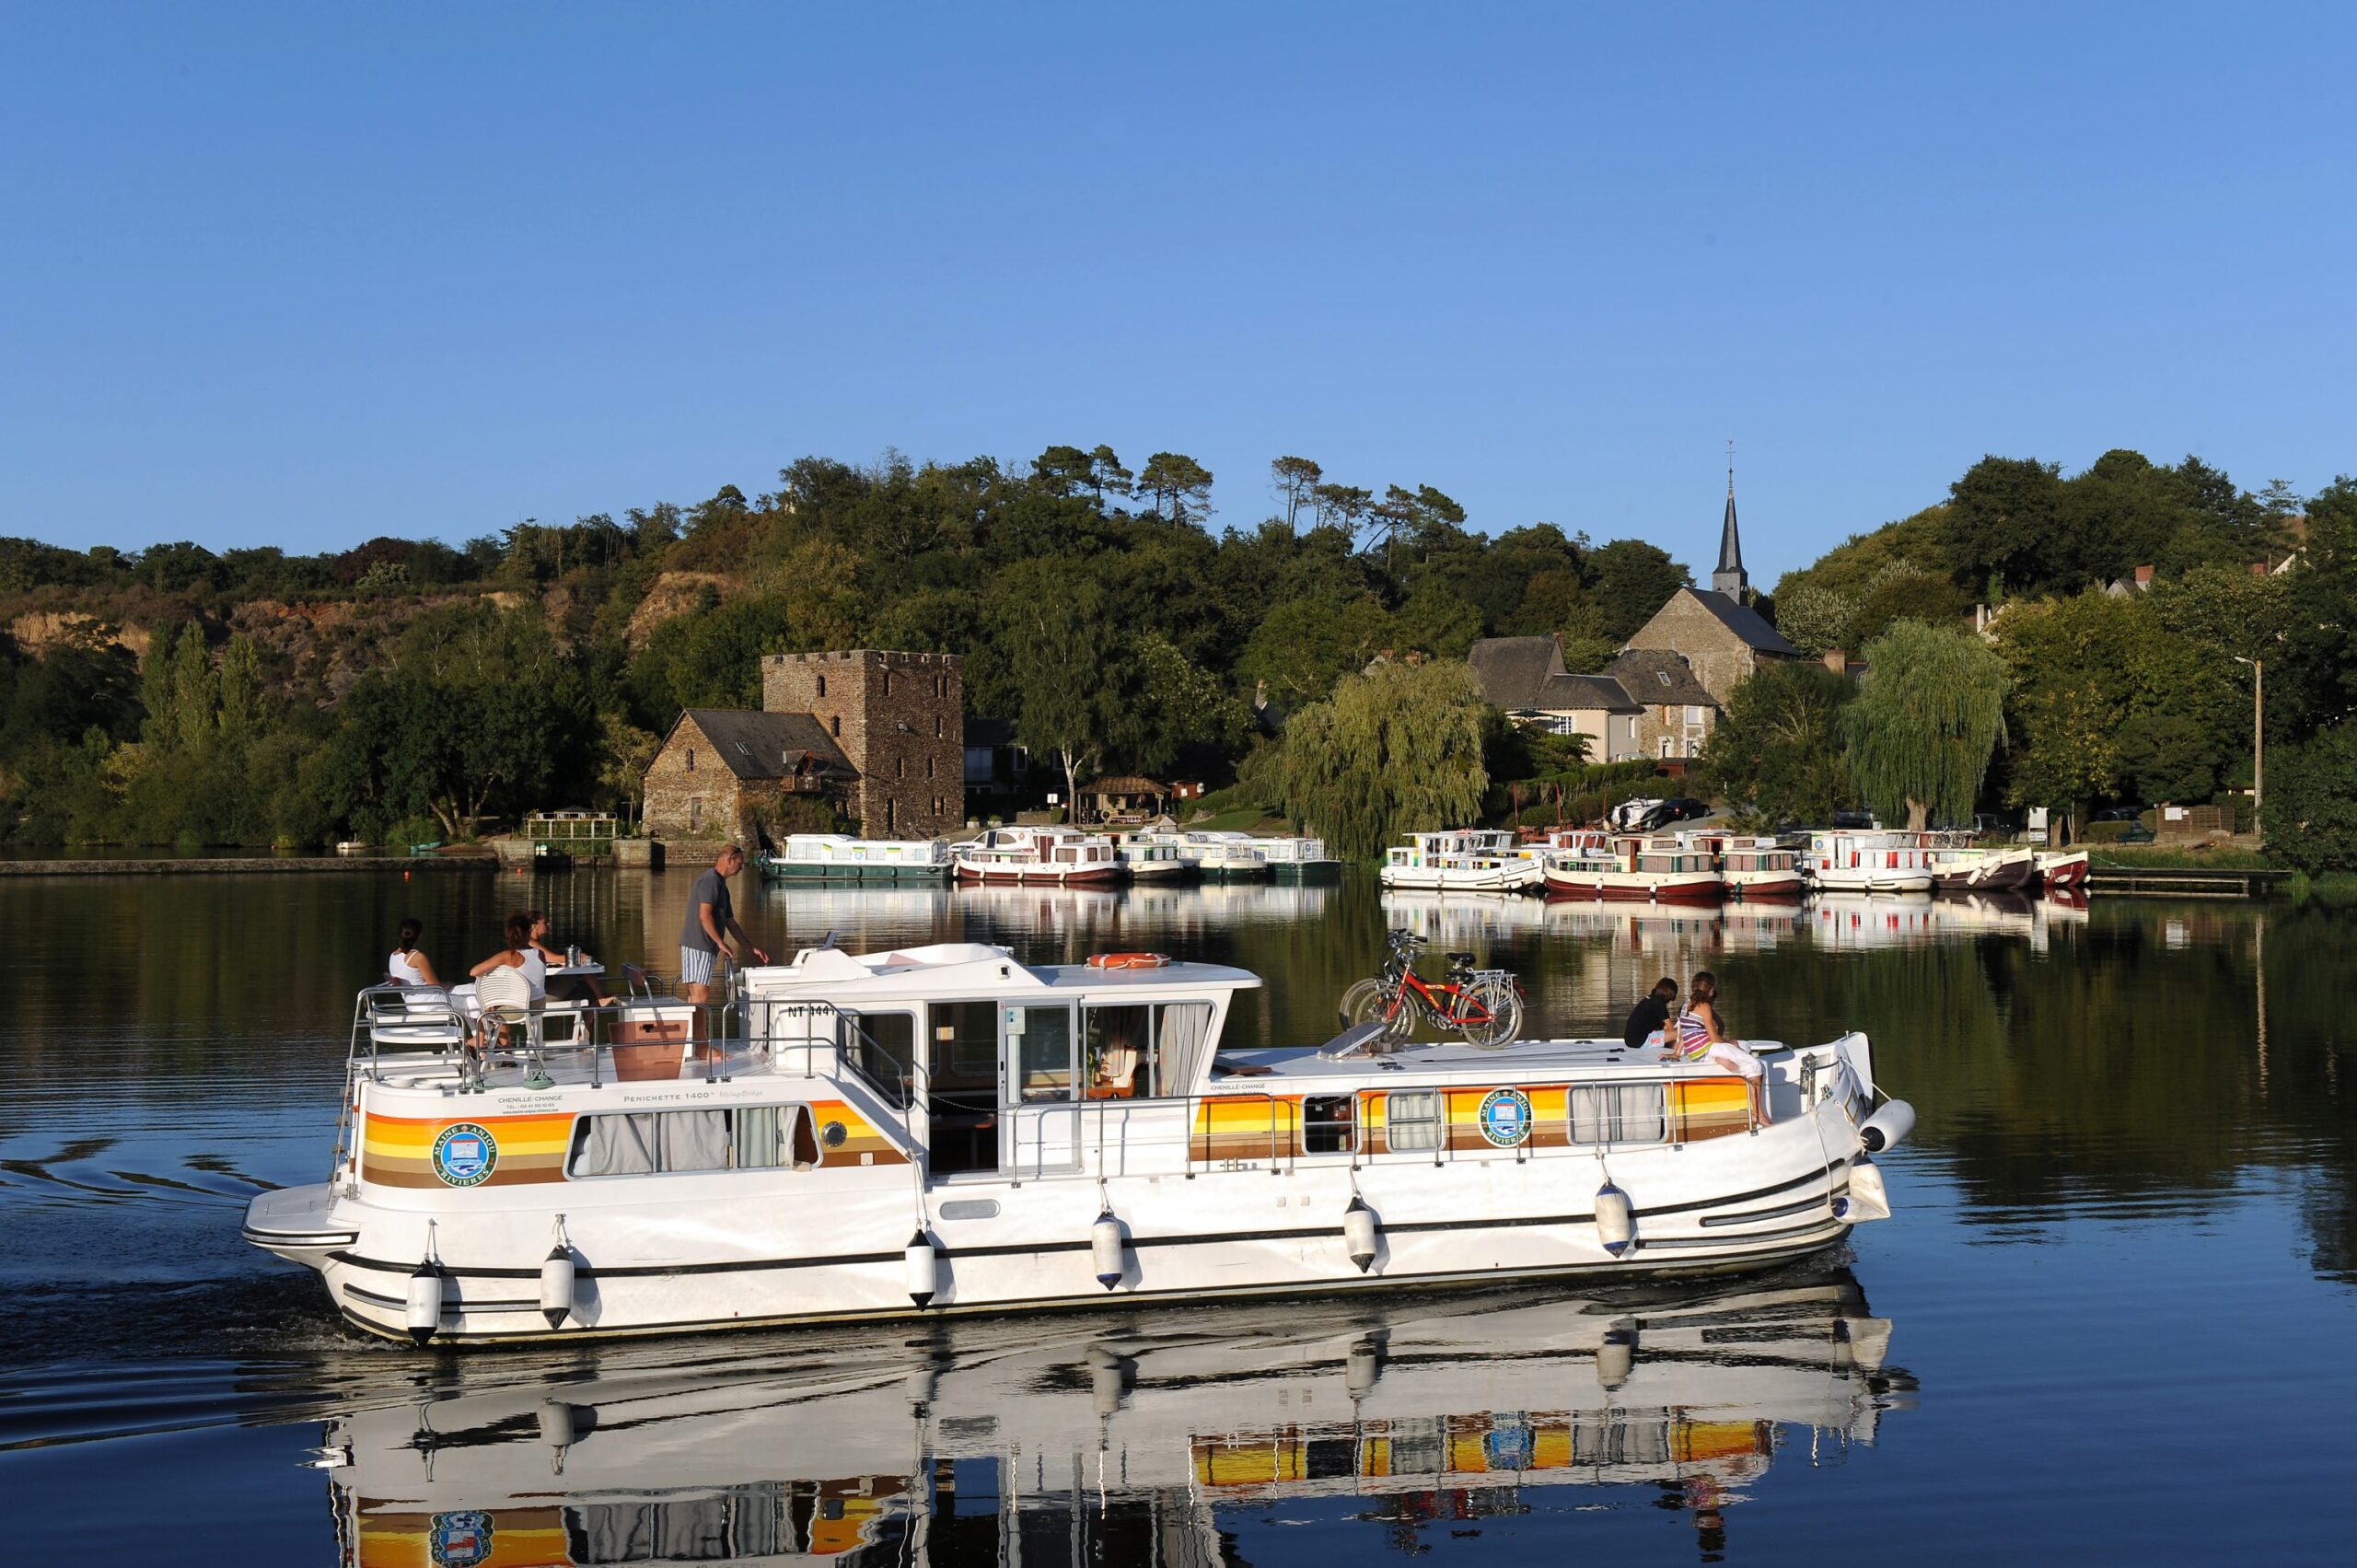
x,y
710,928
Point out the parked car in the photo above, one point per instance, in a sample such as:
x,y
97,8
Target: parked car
x,y
2119,814
1853,819
1683,808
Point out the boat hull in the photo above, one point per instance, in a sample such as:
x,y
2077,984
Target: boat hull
x,y
1864,880
802,871
1639,887
1444,879
1762,887
1306,870
2063,870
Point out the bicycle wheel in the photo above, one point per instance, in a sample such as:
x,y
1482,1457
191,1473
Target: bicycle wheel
x,y
1367,1003
1504,1004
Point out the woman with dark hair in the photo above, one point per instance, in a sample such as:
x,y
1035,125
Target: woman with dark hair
x,y
1702,1036
409,964
519,937
540,958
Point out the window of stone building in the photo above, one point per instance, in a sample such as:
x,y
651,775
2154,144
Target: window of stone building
x,y
695,813
822,686
691,759
937,726
928,767
891,817
887,683
899,767
835,726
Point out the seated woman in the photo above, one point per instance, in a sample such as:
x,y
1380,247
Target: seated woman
x,y
504,980
409,965
537,947
1702,1036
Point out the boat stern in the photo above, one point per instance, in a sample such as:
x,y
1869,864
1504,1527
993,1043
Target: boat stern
x,y
300,1223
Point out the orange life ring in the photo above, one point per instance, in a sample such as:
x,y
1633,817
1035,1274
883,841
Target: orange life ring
x,y
1128,961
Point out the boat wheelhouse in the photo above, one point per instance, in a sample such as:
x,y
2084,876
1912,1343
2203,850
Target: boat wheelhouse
x,y
1659,870
1062,856
1473,860
1869,860
944,1129
1293,859
1221,856
1150,856
837,857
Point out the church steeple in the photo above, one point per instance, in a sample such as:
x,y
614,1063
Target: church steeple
x,y
1730,578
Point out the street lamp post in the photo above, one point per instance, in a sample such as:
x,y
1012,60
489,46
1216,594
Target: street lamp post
x,y
2258,740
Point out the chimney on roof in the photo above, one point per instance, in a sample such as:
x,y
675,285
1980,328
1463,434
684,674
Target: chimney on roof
x,y
1730,578
1838,660
2143,576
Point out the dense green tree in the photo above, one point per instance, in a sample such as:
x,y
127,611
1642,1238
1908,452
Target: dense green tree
x,y
1293,481
1778,750
1395,750
1179,487
2312,800
1303,646
1632,580
1929,714
1815,618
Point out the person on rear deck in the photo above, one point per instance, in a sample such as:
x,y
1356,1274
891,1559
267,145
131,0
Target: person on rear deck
x,y
504,980
1650,1017
1702,1036
408,965
571,987
708,931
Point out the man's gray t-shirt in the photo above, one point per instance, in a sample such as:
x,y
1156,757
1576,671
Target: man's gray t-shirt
x,y
710,888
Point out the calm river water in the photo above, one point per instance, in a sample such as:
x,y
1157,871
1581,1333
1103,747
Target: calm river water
x,y
2115,1318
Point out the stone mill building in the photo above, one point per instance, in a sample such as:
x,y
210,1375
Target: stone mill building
x,y
878,736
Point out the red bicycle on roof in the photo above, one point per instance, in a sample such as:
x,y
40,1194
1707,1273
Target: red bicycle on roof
x,y
1484,1006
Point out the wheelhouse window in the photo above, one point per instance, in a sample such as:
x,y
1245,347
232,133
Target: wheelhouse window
x,y
1042,1049
1412,1120
1117,1052
961,1087
1619,1113
1329,1124
1183,1036
882,1049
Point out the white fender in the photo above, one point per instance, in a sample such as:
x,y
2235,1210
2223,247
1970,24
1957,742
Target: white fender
x,y
425,1303
1615,1220
1868,1198
1885,1127
1617,1356
1105,1244
556,1285
1359,1232
922,1269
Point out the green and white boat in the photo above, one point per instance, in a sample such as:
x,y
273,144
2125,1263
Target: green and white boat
x,y
1298,860
837,857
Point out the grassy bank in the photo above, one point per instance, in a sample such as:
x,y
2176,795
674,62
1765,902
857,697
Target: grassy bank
x,y
2149,857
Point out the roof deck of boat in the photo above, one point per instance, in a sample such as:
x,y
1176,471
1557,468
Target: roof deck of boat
x,y
1523,1060
962,968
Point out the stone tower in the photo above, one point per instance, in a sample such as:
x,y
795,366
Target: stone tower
x,y
899,719
1730,578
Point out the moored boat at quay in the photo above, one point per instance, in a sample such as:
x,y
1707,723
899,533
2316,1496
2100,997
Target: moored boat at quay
x,y
1221,856
1058,856
1652,870
1959,866
1298,859
1150,856
943,1129
2062,870
1472,860
1758,869
838,857
1868,861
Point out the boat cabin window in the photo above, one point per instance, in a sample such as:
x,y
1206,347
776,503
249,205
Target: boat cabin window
x,y
1043,1052
882,1049
1182,1038
656,1143
961,1087
1117,1052
1619,1113
1412,1120
1329,1124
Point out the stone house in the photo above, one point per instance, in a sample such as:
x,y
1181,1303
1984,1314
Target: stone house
x,y
1721,639
1526,677
881,736
1672,712
721,770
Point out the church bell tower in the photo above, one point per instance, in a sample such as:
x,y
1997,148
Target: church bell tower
x,y
1730,578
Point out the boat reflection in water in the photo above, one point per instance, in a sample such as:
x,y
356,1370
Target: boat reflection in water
x,y
1118,1438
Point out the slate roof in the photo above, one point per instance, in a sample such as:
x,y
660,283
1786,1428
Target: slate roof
x,y
1125,784
755,745
1745,623
1514,671
1655,677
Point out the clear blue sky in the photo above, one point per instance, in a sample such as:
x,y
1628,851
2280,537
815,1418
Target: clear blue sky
x,y
302,275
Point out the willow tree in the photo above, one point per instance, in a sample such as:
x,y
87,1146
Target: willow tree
x,y
1397,750
1929,714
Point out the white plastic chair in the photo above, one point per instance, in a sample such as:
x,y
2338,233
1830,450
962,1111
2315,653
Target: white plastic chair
x,y
414,1018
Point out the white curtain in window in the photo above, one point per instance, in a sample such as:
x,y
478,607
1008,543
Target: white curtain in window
x,y
619,1146
1184,1029
693,1139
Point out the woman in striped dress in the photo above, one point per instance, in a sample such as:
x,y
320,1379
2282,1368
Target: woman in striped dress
x,y
1702,1037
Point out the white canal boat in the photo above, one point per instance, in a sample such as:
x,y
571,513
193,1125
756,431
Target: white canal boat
x,y
945,1129
1221,856
1298,860
838,857
1151,856
1474,860
1869,860
1059,856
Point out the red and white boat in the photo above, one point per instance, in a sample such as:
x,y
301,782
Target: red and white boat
x,y
1658,870
1065,856
2067,868
1757,869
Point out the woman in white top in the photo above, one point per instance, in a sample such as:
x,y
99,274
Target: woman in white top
x,y
408,965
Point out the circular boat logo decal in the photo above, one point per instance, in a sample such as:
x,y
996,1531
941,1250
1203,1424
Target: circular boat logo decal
x,y
1506,1117
465,1155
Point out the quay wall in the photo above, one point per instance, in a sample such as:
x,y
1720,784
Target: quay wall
x,y
172,865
